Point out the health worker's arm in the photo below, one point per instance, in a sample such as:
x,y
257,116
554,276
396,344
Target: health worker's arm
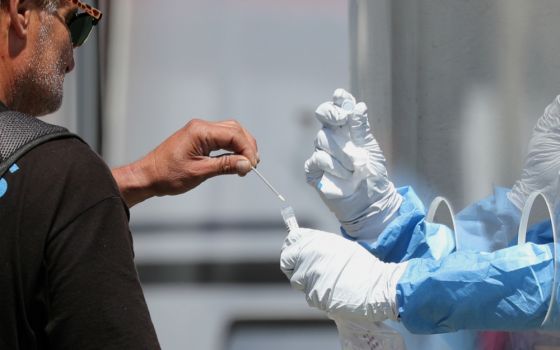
x,y
409,235
183,161
347,168
509,289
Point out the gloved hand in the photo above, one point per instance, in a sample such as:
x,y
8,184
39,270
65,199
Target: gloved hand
x,y
542,164
340,277
348,169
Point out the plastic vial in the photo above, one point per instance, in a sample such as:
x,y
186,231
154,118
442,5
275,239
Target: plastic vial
x,y
289,218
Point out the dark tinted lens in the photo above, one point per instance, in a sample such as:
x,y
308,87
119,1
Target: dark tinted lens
x,y
80,27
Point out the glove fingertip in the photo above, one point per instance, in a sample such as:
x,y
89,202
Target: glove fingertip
x,y
286,268
330,115
360,109
296,284
340,95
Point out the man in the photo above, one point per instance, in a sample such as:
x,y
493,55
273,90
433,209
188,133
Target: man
x,y
67,277
395,265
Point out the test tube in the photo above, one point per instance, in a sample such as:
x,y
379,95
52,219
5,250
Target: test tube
x,y
290,218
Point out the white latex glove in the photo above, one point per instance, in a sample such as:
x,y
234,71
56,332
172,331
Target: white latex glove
x,y
542,164
340,277
348,169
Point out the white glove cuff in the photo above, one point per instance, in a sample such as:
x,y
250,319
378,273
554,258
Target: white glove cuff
x,y
517,197
376,218
382,299
394,280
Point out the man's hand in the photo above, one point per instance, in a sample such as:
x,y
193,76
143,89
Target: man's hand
x,y
340,277
183,161
348,169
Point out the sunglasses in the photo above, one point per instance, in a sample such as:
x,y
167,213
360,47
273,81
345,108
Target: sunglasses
x,y
81,24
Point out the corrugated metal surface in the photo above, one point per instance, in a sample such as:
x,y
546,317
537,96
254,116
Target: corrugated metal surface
x,y
454,87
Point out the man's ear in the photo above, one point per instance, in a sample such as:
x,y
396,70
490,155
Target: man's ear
x,y
20,16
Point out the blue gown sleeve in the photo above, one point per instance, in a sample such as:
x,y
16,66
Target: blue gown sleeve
x,y
509,289
493,222
441,292
489,224
409,235
486,225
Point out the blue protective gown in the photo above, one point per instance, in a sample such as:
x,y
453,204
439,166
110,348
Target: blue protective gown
x,y
409,235
508,289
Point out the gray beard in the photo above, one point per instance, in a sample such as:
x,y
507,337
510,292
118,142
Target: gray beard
x,y
38,89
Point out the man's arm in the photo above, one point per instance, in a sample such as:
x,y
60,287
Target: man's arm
x,y
183,161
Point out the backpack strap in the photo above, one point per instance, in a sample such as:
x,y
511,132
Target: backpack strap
x,y
19,133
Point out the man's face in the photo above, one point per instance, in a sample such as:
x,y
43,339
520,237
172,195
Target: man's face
x,y
38,85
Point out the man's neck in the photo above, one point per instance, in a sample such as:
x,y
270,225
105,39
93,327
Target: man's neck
x,y
6,76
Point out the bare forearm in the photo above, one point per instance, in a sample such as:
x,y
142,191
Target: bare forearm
x,y
134,182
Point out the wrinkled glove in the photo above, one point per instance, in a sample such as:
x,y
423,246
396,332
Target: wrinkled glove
x,y
348,169
340,277
542,164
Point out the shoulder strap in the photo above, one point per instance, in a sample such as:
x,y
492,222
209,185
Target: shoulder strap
x,y
19,133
